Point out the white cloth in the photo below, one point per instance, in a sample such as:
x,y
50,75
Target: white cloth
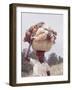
x,y
39,69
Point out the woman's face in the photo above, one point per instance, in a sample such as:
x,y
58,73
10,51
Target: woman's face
x,y
40,54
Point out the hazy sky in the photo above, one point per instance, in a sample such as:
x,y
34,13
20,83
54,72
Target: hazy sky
x,y
54,21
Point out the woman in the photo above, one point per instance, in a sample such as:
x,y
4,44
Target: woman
x,y
41,40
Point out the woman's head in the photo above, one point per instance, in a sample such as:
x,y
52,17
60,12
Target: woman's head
x,y
40,55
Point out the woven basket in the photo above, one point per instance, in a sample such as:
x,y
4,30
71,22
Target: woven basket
x,y
43,45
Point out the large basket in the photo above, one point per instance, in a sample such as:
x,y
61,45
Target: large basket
x,y
43,45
